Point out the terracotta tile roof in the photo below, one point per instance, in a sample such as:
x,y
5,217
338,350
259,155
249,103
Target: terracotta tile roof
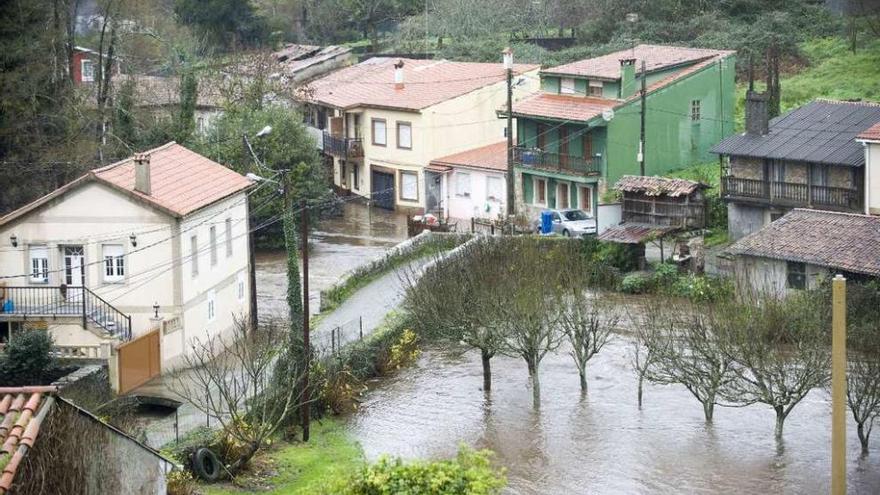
x,y
872,133
634,233
182,181
22,411
655,56
426,83
656,186
844,241
491,157
562,107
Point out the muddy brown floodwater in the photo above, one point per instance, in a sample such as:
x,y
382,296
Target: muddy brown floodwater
x,y
337,246
602,443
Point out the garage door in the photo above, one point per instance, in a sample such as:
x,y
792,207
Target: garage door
x,y
383,189
138,361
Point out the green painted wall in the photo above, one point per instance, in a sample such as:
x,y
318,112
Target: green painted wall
x,y
553,181
610,89
550,84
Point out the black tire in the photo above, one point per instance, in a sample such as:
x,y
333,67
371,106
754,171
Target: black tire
x,y
566,233
206,464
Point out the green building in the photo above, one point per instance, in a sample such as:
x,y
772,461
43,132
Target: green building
x,y
582,131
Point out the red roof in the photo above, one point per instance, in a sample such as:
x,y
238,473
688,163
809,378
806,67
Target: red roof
x,y
426,83
872,133
491,157
634,233
22,411
655,57
562,107
181,182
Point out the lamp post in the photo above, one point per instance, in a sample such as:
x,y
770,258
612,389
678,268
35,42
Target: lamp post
x,y
507,56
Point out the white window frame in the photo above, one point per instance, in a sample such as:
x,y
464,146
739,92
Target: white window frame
x,y
114,262
696,110
39,265
489,193
404,144
593,85
463,183
194,254
200,125
212,236
239,286
415,176
567,196
228,233
566,86
580,196
375,126
535,181
212,305
82,70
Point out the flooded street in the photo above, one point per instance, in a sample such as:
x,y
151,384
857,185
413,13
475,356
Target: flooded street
x,y
337,246
602,443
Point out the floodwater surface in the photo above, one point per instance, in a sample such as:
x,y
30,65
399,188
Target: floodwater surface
x,y
602,443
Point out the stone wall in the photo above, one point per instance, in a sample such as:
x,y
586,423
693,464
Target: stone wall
x,y
747,168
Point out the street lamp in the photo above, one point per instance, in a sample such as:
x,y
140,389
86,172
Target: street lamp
x,y
156,310
507,56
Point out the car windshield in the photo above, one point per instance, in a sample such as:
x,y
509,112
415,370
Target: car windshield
x,y
575,215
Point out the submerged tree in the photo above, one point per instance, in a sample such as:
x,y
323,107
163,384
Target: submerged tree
x,y
587,322
863,363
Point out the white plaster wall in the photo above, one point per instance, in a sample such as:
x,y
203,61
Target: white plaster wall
x,y
477,205
872,178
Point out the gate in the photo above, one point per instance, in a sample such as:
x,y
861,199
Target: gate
x,y
138,361
382,189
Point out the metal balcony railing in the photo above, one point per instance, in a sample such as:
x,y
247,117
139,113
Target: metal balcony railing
x,y
557,162
343,147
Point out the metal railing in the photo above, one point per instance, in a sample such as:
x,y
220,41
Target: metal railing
x,y
791,194
559,162
343,147
65,301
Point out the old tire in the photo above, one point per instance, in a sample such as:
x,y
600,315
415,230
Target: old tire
x,y
206,464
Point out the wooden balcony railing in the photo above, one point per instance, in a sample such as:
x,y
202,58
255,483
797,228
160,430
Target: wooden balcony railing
x,y
791,194
557,162
343,147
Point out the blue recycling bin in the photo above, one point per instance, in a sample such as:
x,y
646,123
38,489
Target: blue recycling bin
x,y
546,222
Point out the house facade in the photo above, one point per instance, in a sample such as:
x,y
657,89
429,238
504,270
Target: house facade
x,y
808,158
474,182
383,121
85,66
582,131
130,249
870,139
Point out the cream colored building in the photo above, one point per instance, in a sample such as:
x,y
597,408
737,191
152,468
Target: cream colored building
x,y
383,121
871,140
156,241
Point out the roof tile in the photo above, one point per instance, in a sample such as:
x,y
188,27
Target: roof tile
x,y
491,157
563,107
656,186
655,56
872,133
23,410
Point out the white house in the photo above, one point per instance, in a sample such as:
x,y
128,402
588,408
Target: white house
x,y
473,183
155,241
870,138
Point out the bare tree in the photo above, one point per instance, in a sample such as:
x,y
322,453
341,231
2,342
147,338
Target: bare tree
x,y
863,364
232,380
587,322
643,355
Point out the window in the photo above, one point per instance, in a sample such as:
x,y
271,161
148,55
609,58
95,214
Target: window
x,y
114,262
462,184
595,88
239,286
585,198
228,237
404,135
378,132
356,176
88,70
494,189
587,146
797,275
200,125
213,238
541,139
562,197
39,264
566,86
409,190
695,110
357,126
212,308
540,191
819,174
194,254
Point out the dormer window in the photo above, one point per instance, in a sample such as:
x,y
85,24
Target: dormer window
x,y
594,88
566,86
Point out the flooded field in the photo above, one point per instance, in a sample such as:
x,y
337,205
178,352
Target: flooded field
x,y
337,246
602,443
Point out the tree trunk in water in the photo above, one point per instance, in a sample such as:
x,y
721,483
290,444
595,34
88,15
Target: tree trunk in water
x,y
709,409
487,371
780,421
582,374
536,387
641,381
863,437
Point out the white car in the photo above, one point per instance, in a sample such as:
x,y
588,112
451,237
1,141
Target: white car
x,y
570,222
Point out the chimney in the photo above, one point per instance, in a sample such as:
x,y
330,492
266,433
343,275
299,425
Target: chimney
x,y
398,74
142,173
757,121
627,77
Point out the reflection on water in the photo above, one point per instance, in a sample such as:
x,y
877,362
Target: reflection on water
x,y
601,443
337,246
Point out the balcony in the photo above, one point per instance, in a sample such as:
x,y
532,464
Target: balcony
x,y
556,162
790,194
343,147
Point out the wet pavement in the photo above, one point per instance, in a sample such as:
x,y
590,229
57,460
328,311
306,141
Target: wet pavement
x,y
601,443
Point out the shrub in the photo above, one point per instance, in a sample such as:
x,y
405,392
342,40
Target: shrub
x,y
404,352
469,473
665,275
180,483
702,288
619,256
28,359
636,283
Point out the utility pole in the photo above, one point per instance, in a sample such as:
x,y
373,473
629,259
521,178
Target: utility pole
x,y
252,247
838,386
307,353
507,55
642,131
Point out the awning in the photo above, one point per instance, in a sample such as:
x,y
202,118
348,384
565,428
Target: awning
x,y
635,233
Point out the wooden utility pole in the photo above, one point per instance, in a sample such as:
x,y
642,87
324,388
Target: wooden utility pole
x,y
307,353
838,386
644,98
511,194
252,268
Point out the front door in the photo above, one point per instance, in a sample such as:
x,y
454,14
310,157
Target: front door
x,y
382,189
74,271
432,193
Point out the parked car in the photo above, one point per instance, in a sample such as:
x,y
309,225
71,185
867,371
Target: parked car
x,y
570,222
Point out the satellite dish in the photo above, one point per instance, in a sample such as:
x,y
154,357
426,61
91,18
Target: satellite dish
x,y
607,114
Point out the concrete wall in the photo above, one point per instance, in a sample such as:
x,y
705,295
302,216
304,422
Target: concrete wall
x,y
755,275
608,215
742,220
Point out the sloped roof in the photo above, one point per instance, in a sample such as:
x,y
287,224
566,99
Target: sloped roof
x,y
872,133
562,107
822,131
22,412
634,233
181,182
491,157
657,186
845,241
656,57
426,83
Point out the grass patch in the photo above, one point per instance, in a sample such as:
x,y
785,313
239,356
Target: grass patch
x,y
299,469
